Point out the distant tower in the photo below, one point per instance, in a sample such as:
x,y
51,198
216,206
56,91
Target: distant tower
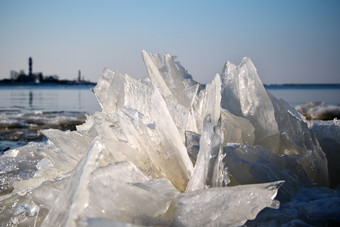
x,y
79,75
30,65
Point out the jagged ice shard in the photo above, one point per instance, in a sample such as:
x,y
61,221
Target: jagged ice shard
x,y
165,151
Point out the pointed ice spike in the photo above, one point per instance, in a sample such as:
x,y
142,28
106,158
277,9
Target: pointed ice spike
x,y
207,170
102,87
155,75
243,94
110,91
209,103
172,80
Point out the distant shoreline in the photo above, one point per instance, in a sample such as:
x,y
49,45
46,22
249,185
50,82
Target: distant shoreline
x,y
302,86
60,83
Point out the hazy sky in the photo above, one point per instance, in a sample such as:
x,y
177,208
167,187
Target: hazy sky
x,y
289,41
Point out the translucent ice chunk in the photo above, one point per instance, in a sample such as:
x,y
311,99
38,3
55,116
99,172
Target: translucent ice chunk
x,y
75,195
146,125
243,94
183,117
209,103
162,142
71,143
143,203
208,171
171,78
153,65
328,135
109,90
236,129
190,117
117,144
117,192
296,138
125,172
47,193
248,165
162,187
71,148
228,206
121,90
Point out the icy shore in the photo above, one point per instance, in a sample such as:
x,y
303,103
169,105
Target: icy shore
x,y
18,127
164,151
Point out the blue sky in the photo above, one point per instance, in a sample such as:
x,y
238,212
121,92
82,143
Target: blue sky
x,y
288,41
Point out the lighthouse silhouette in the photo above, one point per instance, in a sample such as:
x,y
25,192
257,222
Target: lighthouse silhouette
x,y
30,66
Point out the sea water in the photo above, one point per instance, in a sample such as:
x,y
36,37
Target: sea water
x,y
301,95
49,98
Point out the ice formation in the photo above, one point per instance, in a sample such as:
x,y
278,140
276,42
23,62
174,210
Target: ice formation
x,y
165,150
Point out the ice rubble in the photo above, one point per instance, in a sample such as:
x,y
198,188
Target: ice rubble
x,y
317,111
165,150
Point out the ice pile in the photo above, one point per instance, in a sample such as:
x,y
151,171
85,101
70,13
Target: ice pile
x,y
317,111
165,150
